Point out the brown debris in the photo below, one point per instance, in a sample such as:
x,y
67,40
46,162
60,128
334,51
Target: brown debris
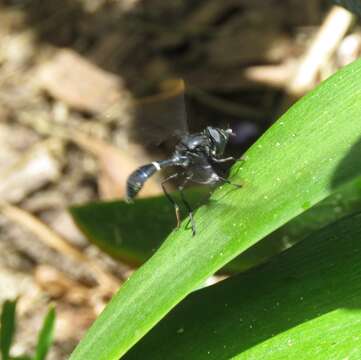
x,y
53,240
277,76
39,165
324,44
109,75
227,50
80,84
115,167
58,285
349,49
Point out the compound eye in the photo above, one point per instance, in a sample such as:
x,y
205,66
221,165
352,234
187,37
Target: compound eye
x,y
213,133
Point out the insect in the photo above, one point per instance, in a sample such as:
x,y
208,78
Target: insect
x,y
195,155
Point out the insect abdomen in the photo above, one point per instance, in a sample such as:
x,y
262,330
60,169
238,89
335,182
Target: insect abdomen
x,y
137,179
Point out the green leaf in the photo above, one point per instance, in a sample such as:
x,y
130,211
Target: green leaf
x,y
312,150
46,334
344,202
115,226
132,233
303,304
7,327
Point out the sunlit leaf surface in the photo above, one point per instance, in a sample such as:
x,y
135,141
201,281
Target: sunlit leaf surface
x,y
306,155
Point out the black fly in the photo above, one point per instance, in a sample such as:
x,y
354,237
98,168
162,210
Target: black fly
x,y
195,154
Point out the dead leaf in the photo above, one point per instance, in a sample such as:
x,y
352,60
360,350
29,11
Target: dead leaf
x,y
115,167
82,85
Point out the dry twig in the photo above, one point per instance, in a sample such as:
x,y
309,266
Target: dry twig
x,y
53,240
325,43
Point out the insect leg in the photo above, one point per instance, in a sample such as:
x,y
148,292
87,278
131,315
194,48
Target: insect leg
x,y
185,202
231,158
230,182
171,200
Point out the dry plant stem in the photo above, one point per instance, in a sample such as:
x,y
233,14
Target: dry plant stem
x,y
53,240
276,76
325,43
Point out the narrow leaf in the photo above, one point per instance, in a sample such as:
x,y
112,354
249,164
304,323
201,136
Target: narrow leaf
x,y
133,233
45,337
305,156
341,203
304,304
7,327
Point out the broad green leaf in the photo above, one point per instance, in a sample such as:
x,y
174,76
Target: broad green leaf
x,y
7,328
308,153
133,233
45,337
303,304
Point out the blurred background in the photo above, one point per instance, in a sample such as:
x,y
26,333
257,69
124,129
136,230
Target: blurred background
x,y
92,89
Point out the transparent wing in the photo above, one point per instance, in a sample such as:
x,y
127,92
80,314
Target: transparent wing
x,y
160,118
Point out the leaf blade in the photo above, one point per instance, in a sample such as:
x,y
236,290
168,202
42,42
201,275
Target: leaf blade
x,y
132,233
306,299
45,337
8,326
242,218
96,219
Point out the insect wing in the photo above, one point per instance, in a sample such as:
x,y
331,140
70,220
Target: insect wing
x,y
160,118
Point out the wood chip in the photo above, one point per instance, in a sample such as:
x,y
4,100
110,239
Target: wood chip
x,y
115,167
80,84
35,169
